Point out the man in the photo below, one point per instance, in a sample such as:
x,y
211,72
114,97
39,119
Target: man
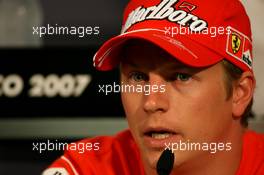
x,y
200,85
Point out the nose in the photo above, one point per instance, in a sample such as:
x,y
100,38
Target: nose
x,y
156,100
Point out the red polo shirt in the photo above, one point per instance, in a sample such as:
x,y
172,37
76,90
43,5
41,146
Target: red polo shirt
x,y
119,155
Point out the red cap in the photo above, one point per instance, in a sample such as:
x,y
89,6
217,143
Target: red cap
x,y
197,33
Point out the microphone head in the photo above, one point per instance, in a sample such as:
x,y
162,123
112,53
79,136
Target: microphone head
x,y
165,162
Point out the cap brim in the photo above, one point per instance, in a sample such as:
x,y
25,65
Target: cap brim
x,y
180,47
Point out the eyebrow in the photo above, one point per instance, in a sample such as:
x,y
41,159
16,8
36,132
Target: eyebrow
x,y
130,63
177,66
183,68
169,66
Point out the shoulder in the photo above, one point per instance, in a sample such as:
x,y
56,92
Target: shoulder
x,y
102,144
258,140
93,155
254,139
253,154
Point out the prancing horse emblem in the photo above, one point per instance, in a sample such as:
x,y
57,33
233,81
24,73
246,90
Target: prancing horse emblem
x,y
236,43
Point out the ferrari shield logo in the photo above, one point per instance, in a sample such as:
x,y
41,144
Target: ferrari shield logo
x,y
239,46
236,43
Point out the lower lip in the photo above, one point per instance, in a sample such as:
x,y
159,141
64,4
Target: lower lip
x,y
161,143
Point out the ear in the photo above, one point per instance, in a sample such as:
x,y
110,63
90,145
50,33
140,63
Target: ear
x,y
243,91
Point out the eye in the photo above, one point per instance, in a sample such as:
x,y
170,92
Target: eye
x,y
137,76
182,77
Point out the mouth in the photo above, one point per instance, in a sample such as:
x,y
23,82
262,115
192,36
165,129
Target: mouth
x,y
159,137
163,134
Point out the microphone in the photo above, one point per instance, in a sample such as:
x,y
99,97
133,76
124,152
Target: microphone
x,y
165,162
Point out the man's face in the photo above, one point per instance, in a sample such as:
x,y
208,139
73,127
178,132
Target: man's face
x,y
193,107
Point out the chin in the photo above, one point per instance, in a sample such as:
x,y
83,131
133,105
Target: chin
x,y
151,157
